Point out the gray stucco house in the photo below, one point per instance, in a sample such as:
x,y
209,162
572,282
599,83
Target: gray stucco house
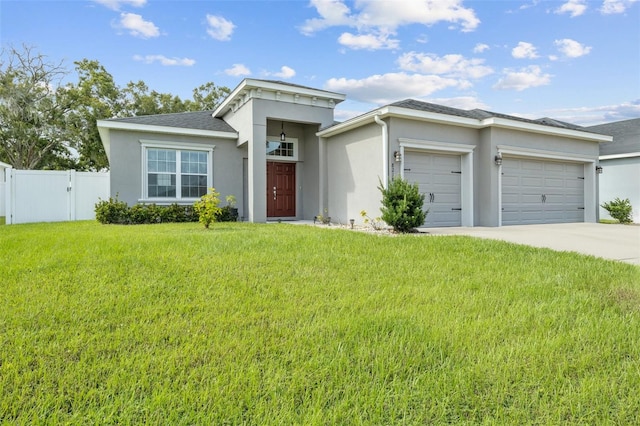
x,y
620,161
277,148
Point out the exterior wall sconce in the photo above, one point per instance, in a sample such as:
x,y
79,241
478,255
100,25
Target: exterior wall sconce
x,y
498,159
282,135
397,156
599,170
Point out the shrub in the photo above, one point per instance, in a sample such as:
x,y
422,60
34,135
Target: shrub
x,y
207,208
112,211
402,205
619,210
118,212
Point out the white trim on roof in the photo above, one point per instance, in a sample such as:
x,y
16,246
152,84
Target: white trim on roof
x,y
434,117
617,156
5,165
242,91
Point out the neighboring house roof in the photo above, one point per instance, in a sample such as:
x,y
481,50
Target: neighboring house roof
x,y
475,118
5,165
626,137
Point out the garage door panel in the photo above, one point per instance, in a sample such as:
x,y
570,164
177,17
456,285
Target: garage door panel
x,y
541,191
442,188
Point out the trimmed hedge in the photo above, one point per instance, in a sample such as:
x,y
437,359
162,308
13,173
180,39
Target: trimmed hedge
x,y
113,211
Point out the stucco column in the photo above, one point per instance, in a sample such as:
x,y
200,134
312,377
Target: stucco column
x,y
257,174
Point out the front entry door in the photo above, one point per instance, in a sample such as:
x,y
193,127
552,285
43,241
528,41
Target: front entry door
x,y
281,189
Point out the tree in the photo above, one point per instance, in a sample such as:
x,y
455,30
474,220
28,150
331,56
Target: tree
x,y
207,97
95,97
34,111
402,205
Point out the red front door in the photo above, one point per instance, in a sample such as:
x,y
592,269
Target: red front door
x,y
281,189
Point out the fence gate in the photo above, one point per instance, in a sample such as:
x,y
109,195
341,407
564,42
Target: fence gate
x,y
53,196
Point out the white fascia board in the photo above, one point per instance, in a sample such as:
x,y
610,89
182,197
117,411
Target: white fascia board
x,y
542,129
168,130
617,156
105,137
5,165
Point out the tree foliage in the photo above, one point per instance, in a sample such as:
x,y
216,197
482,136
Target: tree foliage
x,y
402,205
34,111
47,125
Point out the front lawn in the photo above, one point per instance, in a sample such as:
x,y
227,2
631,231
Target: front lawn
x,y
285,324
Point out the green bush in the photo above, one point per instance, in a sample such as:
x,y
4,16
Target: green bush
x,y
207,208
113,211
402,205
619,210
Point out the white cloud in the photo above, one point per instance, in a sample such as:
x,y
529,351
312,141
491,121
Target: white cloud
x,y
480,47
571,48
522,79
587,116
137,26
449,65
237,70
116,4
219,28
377,20
574,7
163,60
368,41
386,88
332,13
616,6
285,72
524,50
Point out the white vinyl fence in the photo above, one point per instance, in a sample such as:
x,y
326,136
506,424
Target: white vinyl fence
x,y
52,196
3,200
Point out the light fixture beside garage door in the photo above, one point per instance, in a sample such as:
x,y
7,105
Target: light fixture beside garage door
x,y
498,159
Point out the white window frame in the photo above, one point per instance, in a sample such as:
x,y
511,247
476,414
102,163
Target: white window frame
x,y
293,141
145,145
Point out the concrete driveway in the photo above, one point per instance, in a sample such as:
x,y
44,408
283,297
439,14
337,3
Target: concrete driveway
x,y
615,242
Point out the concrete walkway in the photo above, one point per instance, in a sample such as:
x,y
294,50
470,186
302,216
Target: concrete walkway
x,y
615,242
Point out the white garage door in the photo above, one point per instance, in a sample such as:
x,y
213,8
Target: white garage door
x,y
540,191
439,177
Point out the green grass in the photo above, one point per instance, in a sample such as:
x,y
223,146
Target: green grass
x,y
284,324
2,220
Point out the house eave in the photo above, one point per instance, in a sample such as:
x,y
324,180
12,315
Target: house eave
x,y
433,117
105,126
252,88
618,156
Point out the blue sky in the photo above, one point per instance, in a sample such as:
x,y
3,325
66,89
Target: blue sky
x,y
573,60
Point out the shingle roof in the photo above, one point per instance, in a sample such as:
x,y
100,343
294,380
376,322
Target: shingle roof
x,y
626,136
480,114
200,120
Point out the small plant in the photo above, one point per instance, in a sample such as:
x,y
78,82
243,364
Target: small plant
x,y
207,208
231,200
376,223
402,205
325,219
112,211
619,210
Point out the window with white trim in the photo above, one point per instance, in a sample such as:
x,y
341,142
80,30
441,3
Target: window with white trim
x,y
287,149
176,173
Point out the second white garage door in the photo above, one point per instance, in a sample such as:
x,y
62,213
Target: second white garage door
x,y
439,177
541,191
